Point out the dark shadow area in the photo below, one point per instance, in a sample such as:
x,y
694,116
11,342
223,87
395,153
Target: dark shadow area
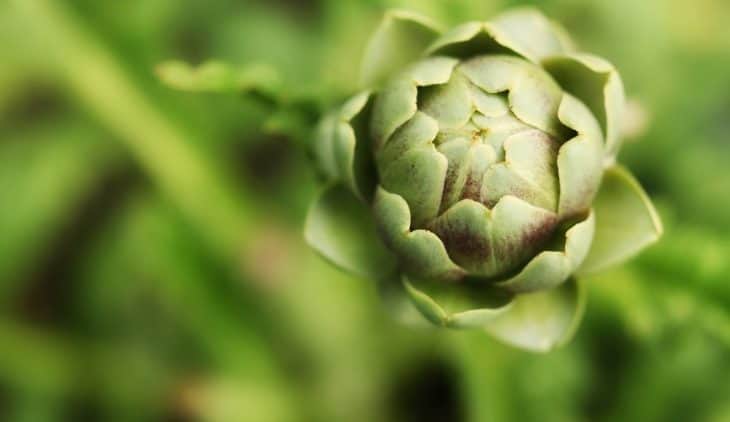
x,y
427,392
34,103
48,288
611,351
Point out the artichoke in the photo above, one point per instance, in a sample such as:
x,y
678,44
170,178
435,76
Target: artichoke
x,y
475,177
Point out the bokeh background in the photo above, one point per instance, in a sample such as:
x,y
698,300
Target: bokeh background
x,y
151,262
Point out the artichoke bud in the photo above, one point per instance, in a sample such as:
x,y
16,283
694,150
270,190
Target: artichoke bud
x,y
477,162
478,168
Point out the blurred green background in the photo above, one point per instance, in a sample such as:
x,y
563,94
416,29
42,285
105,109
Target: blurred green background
x,y
151,263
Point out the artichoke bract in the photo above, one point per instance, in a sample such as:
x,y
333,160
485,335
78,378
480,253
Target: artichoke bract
x,y
474,178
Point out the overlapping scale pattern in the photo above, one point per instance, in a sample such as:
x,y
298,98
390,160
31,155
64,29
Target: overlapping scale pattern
x,y
477,148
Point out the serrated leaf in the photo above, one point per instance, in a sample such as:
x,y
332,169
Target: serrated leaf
x,y
595,82
626,221
340,227
543,320
401,38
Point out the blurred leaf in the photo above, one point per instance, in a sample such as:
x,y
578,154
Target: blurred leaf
x,y
215,76
44,172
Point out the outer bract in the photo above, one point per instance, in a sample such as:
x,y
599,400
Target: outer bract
x,y
475,179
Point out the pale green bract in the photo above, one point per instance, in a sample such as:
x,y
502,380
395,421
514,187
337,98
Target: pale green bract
x,y
475,176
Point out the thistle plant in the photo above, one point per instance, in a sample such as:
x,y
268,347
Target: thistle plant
x,y
474,178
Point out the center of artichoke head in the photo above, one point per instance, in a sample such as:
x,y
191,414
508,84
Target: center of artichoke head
x,y
466,150
490,151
